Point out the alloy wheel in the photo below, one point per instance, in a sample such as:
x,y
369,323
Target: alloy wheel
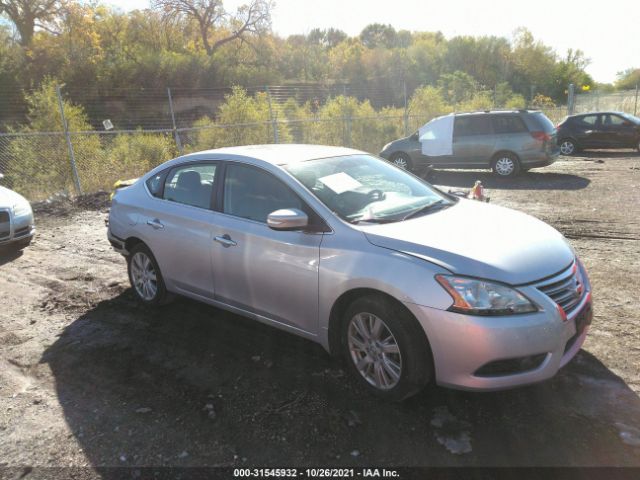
x,y
143,276
567,147
505,166
374,351
401,162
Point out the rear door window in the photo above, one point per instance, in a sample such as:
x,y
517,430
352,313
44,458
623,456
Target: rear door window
x,y
191,185
471,125
508,124
589,120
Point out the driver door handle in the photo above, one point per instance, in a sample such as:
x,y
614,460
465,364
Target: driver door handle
x,y
155,223
225,240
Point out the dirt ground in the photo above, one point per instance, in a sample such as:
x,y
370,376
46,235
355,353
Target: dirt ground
x,y
88,377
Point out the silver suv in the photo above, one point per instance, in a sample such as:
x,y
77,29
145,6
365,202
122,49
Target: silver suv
x,y
508,142
371,262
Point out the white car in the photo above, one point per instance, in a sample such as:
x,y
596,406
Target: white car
x,y
16,220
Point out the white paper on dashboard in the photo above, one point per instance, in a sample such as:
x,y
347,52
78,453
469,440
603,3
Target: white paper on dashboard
x,y
340,182
436,137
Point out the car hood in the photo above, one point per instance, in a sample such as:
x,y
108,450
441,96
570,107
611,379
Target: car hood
x,y
8,198
480,240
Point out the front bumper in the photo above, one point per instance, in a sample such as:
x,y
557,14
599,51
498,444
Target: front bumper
x,y
17,231
462,344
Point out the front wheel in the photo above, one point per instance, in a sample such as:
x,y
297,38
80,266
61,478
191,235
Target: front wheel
x,y
145,276
385,348
402,160
505,165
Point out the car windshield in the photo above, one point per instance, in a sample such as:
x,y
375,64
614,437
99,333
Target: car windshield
x,y
362,188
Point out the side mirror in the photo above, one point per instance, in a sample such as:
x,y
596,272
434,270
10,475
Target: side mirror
x,y
287,219
414,136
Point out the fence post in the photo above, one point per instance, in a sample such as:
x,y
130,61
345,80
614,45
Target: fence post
x,y
72,157
274,120
571,99
173,122
635,106
406,110
346,119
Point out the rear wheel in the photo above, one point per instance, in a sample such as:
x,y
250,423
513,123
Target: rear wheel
x,y
505,165
402,160
568,147
385,348
145,276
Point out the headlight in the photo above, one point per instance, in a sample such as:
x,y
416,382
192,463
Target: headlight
x,y
480,297
22,208
386,146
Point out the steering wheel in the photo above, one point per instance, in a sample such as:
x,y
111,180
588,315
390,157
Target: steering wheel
x,y
376,195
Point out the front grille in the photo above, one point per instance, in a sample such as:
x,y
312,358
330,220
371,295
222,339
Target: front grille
x,y
565,289
5,225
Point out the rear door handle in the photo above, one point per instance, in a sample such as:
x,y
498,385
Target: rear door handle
x,y
225,241
155,223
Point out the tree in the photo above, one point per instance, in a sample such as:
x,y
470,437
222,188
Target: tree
x,y
457,86
378,35
628,79
210,15
26,15
328,38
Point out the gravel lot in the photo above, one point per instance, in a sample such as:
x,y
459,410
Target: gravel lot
x,y
90,378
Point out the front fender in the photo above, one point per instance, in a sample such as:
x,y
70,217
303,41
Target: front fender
x,y
366,266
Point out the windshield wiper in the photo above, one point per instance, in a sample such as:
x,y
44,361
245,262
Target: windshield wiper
x,y
370,220
437,205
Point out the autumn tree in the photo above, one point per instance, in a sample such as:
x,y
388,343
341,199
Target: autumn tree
x,y
211,16
26,15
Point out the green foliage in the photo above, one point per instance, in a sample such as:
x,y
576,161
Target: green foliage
x,y
96,48
132,154
242,120
457,87
40,163
426,103
628,79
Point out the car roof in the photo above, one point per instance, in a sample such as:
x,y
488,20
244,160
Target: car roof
x,y
495,112
596,113
279,154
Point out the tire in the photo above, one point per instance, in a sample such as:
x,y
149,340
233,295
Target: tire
x,y
505,165
568,147
402,160
145,277
638,146
389,375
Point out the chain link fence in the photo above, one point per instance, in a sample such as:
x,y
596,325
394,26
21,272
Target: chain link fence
x,y
596,101
125,134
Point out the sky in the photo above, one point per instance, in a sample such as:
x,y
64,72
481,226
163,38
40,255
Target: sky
x,y
607,33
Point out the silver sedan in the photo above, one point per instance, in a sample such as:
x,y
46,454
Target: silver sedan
x,y
407,283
